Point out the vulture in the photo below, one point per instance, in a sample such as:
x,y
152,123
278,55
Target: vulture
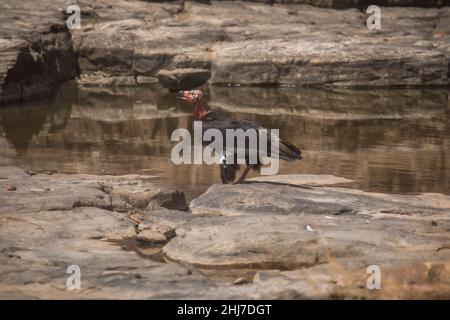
x,y
213,120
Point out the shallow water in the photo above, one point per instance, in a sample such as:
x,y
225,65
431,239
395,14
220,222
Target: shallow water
x,y
394,141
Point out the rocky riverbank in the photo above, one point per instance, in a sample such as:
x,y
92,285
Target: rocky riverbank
x,y
290,236
233,43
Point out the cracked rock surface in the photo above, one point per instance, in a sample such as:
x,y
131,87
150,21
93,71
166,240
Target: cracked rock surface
x,y
280,237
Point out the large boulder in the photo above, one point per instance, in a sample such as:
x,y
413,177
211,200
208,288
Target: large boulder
x,y
284,198
292,44
317,241
35,48
183,79
129,43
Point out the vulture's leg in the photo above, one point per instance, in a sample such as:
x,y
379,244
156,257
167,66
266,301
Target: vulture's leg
x,y
244,174
228,172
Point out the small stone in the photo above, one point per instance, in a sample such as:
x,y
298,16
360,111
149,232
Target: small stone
x,y
141,227
146,80
11,188
434,223
167,230
183,79
151,237
180,232
240,281
136,218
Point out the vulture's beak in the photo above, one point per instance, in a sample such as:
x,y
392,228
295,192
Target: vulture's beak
x,y
185,96
180,94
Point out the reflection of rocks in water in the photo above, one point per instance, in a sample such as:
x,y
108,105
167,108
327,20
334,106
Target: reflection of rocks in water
x,y
124,121
332,104
114,105
390,141
20,123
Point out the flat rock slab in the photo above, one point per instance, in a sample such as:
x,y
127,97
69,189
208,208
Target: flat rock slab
x,y
422,280
303,240
247,43
304,179
269,240
273,197
37,249
52,222
65,192
320,240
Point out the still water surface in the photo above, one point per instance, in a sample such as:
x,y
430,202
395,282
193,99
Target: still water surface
x,y
395,141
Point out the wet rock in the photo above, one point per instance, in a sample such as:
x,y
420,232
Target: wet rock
x,y
11,188
183,79
36,50
150,237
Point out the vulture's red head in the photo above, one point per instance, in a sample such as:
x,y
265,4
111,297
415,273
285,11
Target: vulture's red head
x,y
195,97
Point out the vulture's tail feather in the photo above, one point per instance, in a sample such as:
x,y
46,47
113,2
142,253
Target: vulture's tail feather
x,y
289,152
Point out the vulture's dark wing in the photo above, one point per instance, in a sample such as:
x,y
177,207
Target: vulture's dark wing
x,y
286,150
228,167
